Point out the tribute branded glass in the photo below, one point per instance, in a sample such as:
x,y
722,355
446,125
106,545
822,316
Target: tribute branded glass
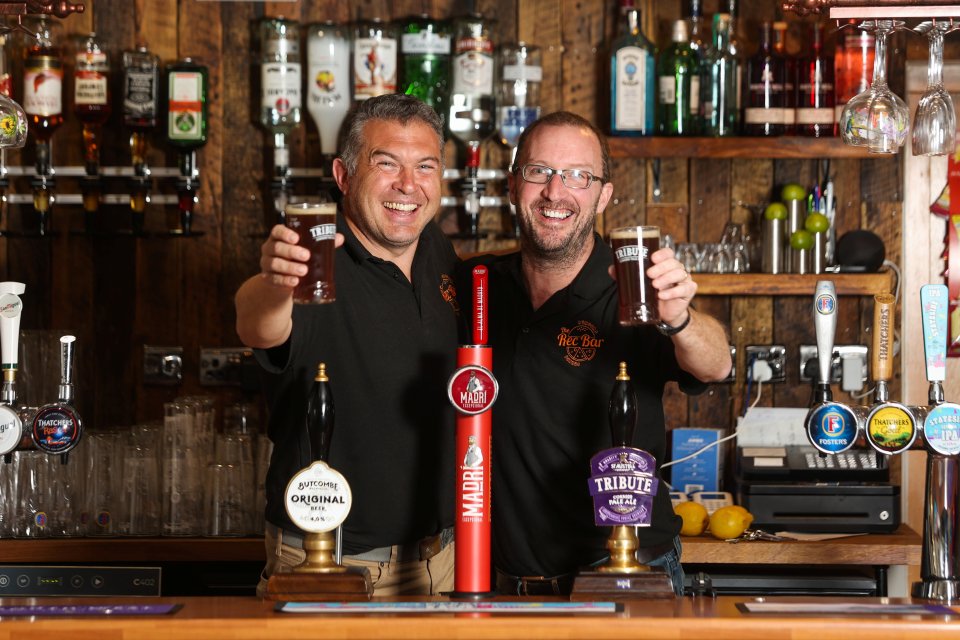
x,y
632,248
316,222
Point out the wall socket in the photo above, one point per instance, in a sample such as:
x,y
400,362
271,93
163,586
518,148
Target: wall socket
x,y
223,366
775,355
162,365
808,352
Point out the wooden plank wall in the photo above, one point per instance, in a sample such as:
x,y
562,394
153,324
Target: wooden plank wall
x,y
119,293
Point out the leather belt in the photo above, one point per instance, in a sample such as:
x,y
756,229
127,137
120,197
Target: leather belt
x,y
417,552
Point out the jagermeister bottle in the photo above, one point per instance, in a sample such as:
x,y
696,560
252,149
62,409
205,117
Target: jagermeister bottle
x,y
141,91
186,110
425,48
280,80
91,96
375,51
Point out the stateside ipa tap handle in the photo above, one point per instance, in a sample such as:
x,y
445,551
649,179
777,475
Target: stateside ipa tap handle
x,y
825,324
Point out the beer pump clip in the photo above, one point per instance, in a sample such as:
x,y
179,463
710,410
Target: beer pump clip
x,y
831,427
11,426
940,559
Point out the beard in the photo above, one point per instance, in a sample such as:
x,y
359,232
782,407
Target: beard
x,y
558,248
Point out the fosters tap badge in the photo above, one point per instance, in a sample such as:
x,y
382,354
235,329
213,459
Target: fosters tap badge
x,y
832,427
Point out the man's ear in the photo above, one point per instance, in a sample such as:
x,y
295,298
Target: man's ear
x,y
340,175
606,193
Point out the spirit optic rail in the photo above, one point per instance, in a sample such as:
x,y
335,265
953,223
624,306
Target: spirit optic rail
x,y
60,8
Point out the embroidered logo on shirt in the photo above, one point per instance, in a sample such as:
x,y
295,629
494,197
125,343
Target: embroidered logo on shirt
x,y
449,292
580,343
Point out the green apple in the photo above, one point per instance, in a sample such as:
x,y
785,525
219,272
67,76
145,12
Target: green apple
x,y
775,211
793,191
801,239
816,223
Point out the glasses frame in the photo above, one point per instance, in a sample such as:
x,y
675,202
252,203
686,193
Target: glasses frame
x,y
563,173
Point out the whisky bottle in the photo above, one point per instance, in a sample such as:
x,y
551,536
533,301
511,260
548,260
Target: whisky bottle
x,y
632,77
91,97
280,77
43,90
141,90
425,48
678,83
375,50
328,82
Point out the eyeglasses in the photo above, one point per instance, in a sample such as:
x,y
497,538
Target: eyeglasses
x,y
572,178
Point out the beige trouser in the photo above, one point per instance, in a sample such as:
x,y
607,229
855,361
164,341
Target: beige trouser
x,y
412,578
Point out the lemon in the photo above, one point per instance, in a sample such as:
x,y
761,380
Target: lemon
x,y
729,522
694,517
746,514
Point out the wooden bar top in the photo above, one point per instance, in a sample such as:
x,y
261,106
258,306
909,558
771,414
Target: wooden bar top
x,y
694,618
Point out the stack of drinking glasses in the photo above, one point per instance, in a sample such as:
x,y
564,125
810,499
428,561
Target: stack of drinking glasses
x,y
730,255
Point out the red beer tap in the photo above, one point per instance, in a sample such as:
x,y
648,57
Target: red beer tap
x,y
472,391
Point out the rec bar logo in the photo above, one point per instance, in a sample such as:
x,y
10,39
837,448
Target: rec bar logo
x,y
580,343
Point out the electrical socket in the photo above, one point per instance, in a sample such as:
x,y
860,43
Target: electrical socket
x,y
775,355
809,352
223,366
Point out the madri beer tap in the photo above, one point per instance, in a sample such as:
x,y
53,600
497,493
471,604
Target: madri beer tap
x,y
939,568
831,426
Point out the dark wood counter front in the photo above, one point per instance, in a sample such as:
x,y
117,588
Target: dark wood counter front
x,y
250,618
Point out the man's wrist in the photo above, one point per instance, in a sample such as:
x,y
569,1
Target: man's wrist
x,y
668,330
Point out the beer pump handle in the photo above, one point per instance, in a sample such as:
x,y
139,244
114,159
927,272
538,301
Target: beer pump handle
x,y
882,354
10,308
67,344
320,414
934,300
623,409
825,324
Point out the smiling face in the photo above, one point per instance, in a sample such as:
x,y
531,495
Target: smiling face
x,y
395,190
556,222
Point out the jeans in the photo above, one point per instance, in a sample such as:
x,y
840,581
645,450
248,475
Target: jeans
x,y
670,562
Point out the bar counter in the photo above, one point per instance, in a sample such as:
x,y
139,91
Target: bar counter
x,y
236,618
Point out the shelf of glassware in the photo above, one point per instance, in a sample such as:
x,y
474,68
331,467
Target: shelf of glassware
x,y
791,284
903,12
733,147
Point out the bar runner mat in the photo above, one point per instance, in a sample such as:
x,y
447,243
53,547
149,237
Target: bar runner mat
x,y
845,609
89,610
448,607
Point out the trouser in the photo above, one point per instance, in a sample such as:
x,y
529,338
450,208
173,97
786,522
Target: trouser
x,y
424,568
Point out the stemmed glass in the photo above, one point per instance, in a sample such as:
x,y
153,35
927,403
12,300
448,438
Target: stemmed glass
x,y
935,123
877,118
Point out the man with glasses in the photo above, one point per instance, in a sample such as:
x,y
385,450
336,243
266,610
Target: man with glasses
x,y
553,325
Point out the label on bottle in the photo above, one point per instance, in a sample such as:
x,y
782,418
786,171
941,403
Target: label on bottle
x,y
90,87
526,72
668,90
425,42
185,119
694,94
630,93
140,95
473,73
760,115
374,67
328,87
318,498
282,48
280,86
43,86
811,115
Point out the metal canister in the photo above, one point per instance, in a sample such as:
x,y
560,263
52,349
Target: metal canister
x,y
818,255
773,245
796,211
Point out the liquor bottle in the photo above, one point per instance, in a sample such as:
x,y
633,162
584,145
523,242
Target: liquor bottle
x,y
816,100
853,64
736,50
320,415
280,86
719,83
43,90
790,79
91,97
678,80
763,115
518,104
632,77
375,49
141,91
328,82
697,41
425,46
187,83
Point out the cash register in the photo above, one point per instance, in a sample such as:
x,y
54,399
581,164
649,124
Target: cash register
x,y
789,486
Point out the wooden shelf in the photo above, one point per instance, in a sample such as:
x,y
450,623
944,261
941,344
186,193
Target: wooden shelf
x,y
741,147
107,550
787,284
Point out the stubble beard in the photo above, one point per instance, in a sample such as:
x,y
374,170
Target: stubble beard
x,y
555,253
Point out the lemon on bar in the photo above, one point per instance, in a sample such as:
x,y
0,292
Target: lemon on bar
x,y
694,517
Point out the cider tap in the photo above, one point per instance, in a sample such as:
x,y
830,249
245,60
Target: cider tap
x,y
11,426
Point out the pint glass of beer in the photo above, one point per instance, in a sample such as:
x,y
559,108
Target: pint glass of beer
x,y
632,247
316,222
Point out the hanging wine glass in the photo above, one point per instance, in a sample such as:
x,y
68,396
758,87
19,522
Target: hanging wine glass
x,y
877,118
13,119
935,122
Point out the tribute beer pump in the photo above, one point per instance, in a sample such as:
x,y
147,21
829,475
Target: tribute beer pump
x,y
11,427
318,500
623,484
472,390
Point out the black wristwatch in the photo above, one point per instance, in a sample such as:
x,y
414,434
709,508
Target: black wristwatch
x,y
667,330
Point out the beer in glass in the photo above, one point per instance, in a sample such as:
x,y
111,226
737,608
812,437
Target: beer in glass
x,y
316,222
632,248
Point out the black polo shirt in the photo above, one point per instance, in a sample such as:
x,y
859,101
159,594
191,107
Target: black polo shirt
x,y
556,368
390,347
